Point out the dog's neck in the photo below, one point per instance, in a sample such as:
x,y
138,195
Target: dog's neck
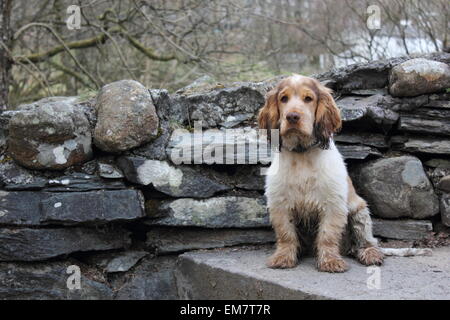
x,y
300,149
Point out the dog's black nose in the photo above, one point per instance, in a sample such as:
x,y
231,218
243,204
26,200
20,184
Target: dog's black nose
x,y
292,117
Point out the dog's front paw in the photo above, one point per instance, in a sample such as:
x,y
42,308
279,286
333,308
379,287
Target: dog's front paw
x,y
282,261
332,264
370,256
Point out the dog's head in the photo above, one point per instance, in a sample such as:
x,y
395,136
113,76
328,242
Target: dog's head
x,y
303,110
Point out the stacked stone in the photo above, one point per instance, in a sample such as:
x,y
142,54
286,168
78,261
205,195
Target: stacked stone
x,y
94,183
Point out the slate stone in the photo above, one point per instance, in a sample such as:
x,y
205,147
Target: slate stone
x,y
41,244
366,138
92,207
15,177
401,229
422,145
28,208
47,281
172,240
420,125
241,146
20,207
219,212
152,279
357,151
81,182
438,163
373,111
117,261
109,171
176,181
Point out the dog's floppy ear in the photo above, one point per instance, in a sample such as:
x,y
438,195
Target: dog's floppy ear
x,y
268,117
328,118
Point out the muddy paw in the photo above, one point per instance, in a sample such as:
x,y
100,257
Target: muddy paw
x,y
332,264
370,256
281,261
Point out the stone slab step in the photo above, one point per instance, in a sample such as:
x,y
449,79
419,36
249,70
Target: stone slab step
x,y
242,274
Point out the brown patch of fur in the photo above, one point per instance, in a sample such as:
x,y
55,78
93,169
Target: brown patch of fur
x,y
288,245
268,116
370,256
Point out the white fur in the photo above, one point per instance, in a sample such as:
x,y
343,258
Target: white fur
x,y
314,181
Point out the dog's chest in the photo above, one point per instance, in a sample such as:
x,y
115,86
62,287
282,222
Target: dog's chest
x,y
297,184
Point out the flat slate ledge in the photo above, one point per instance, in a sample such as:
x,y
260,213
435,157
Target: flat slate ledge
x,y
242,274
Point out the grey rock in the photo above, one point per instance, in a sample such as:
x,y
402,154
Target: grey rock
x,y
369,92
372,75
20,208
374,111
438,104
438,163
152,279
220,212
126,116
41,244
81,182
172,240
89,167
445,96
397,187
47,281
242,275
214,106
437,174
445,209
409,103
204,82
156,149
174,181
97,207
357,151
236,146
248,178
444,184
421,145
15,177
366,138
433,126
49,135
234,120
426,120
109,171
419,76
401,229
117,261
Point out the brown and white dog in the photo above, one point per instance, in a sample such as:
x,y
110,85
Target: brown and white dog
x,y
309,193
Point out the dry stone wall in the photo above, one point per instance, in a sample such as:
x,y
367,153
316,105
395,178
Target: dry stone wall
x,y
93,183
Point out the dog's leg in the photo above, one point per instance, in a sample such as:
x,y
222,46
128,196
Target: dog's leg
x,y
285,255
366,246
331,227
360,225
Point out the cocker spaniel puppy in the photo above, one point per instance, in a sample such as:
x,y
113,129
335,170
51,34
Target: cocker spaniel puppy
x,y
310,196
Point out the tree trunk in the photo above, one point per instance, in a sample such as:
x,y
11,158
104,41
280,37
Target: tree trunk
x,y
5,62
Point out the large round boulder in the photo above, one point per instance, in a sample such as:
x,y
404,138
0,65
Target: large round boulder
x,y
418,76
397,187
50,134
126,117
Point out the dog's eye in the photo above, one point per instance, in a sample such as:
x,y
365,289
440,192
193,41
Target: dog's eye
x,y
284,99
308,99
